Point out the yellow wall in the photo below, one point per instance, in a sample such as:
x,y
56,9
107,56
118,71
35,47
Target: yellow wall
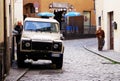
x,y
79,5
30,1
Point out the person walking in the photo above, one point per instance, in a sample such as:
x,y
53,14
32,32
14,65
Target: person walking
x,y
100,35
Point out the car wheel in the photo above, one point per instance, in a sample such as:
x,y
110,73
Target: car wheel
x,y
20,58
58,62
20,61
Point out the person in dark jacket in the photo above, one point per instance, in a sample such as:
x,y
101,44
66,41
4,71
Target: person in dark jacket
x,y
19,29
16,36
100,35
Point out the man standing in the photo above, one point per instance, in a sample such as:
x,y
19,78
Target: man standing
x,y
100,35
17,36
18,28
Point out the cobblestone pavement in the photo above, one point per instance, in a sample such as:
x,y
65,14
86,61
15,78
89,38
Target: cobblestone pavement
x,y
79,65
112,55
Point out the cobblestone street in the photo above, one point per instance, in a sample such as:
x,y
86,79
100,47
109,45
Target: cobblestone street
x,y
79,65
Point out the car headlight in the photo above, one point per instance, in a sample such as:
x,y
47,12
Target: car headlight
x,y
26,44
57,46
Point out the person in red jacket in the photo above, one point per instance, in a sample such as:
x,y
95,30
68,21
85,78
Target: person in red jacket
x,y
100,35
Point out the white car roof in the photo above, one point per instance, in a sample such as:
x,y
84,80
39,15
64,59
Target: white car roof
x,y
41,19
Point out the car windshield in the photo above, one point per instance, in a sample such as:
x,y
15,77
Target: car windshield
x,y
41,26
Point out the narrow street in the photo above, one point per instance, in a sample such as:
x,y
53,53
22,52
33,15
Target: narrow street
x,y
79,65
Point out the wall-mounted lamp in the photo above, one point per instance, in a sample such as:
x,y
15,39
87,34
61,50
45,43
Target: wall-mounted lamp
x,y
50,5
115,25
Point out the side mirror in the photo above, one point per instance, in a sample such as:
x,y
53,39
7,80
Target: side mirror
x,y
14,32
62,37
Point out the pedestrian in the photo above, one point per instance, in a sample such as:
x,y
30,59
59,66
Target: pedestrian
x,y
19,29
100,35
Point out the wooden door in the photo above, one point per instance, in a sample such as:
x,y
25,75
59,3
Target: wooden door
x,y
111,31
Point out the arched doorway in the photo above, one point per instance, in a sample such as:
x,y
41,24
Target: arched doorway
x,y
29,10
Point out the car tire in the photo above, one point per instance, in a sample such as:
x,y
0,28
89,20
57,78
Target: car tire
x,y
20,61
20,58
58,62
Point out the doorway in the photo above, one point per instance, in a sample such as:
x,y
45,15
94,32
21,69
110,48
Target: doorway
x,y
111,30
87,21
29,10
59,16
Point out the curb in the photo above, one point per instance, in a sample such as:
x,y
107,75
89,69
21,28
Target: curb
x,y
16,77
22,74
113,61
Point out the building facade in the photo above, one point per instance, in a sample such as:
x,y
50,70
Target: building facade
x,y
59,8
108,17
6,24
18,11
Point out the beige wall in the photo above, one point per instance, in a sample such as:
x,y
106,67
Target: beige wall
x,y
18,10
1,21
99,11
113,6
103,7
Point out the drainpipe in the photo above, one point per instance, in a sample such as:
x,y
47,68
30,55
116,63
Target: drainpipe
x,y
5,39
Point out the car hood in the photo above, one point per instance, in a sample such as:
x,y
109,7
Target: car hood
x,y
41,36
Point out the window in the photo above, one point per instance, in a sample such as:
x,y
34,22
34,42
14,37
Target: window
x,y
99,21
87,18
41,26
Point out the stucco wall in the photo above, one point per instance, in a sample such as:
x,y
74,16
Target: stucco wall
x,y
79,6
108,7
99,11
18,10
1,21
104,8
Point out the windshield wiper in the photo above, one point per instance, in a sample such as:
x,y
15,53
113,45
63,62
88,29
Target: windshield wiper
x,y
38,30
29,30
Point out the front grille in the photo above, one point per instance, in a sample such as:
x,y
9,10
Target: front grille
x,y
41,46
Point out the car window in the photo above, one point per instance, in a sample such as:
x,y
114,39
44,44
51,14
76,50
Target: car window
x,y
40,26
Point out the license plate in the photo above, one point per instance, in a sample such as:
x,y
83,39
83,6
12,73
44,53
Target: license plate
x,y
55,55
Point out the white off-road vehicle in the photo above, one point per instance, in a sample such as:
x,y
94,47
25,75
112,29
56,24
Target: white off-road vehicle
x,y
41,39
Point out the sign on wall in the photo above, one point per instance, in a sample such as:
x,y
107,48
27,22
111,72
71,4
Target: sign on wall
x,y
36,5
59,5
86,18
